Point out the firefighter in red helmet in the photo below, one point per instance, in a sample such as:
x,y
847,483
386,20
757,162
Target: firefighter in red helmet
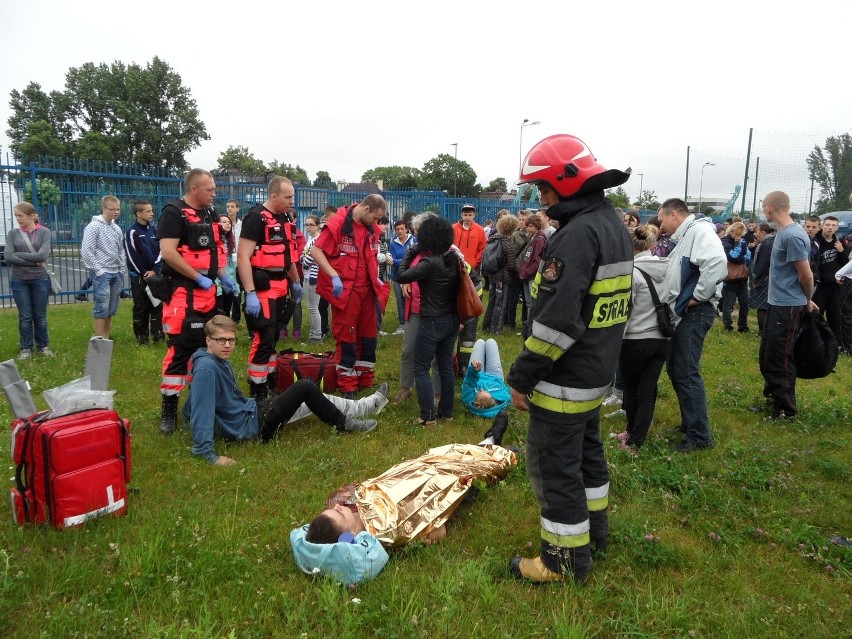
x,y
580,298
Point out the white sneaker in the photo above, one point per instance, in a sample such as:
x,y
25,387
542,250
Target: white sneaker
x,y
612,400
399,331
620,411
46,352
25,353
382,333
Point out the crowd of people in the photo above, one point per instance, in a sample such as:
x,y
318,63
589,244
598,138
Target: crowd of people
x,y
606,301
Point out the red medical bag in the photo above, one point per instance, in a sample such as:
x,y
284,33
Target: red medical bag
x,y
70,469
320,368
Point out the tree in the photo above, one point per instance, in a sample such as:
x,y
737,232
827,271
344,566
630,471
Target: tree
x,y
295,173
619,197
239,159
323,179
831,168
497,185
128,113
648,201
394,177
46,190
446,173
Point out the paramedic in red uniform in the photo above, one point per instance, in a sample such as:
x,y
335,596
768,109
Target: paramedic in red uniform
x,y
190,246
266,264
345,252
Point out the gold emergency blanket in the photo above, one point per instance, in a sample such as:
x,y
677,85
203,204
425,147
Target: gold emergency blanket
x,y
411,499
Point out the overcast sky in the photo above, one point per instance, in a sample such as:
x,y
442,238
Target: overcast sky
x,y
347,86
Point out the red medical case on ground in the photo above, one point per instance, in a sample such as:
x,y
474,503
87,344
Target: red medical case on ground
x,y
70,469
320,368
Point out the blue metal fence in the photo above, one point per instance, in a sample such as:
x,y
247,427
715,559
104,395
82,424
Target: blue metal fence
x,y
80,185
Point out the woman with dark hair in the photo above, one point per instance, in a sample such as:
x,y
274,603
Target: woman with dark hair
x,y
437,274
228,304
631,220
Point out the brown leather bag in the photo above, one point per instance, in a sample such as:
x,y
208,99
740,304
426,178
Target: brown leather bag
x,y
736,272
468,303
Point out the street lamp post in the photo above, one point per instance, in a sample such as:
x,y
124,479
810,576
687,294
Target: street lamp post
x,y
455,145
526,122
701,184
641,177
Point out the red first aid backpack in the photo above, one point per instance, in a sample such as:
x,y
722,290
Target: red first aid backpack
x,y
70,469
320,368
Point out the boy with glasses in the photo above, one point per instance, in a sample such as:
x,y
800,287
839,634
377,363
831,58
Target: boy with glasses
x,y
216,403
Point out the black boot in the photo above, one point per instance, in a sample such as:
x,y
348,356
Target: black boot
x,y
599,531
142,340
271,387
258,391
268,427
168,420
498,427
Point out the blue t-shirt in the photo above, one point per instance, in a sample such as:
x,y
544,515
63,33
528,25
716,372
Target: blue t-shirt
x,y
791,245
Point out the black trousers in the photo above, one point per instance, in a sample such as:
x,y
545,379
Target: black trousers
x,y
777,364
835,305
145,314
323,311
285,405
735,292
641,363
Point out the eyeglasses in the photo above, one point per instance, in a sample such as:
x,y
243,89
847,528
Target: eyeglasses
x,y
222,341
309,224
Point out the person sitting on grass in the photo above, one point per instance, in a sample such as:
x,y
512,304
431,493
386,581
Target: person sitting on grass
x,y
411,501
216,403
484,390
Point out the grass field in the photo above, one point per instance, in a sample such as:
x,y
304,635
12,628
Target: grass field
x,y
731,542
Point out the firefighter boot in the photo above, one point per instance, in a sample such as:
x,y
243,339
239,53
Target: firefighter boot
x,y
168,420
599,531
533,570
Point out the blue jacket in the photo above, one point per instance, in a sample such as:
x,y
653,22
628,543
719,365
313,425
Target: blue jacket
x,y
398,251
475,381
142,249
216,404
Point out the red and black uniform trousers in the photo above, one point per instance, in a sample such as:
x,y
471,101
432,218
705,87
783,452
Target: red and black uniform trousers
x,y
568,473
275,308
184,316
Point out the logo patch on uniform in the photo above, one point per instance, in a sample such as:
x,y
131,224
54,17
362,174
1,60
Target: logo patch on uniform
x,y
203,240
552,270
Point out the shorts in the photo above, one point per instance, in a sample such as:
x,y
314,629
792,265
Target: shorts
x,y
107,291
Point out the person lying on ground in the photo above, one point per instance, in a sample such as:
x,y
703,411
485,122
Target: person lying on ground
x,y
484,390
411,501
216,403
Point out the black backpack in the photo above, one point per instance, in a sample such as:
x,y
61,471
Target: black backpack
x,y
494,256
815,350
665,318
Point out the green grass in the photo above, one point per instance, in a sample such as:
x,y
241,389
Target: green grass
x,y
732,542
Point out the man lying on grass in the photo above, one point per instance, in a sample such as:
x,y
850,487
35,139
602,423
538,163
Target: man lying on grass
x,y
216,403
411,501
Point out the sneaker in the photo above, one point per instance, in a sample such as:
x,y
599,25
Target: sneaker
x,y
616,413
46,352
613,400
282,333
620,436
26,353
353,425
382,333
297,334
629,449
313,340
400,331
687,446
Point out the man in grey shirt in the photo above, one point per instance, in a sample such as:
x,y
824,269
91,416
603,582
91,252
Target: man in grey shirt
x,y
791,284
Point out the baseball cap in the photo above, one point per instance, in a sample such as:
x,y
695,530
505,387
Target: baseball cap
x,y
468,207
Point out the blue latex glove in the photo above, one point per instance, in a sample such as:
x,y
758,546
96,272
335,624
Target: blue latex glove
x,y
204,282
252,304
228,285
296,289
336,286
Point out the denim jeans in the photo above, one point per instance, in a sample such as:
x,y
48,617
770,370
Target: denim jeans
x,y
436,338
400,303
684,369
107,289
31,299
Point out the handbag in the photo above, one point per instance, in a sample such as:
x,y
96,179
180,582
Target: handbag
x,y
55,286
468,303
665,321
736,272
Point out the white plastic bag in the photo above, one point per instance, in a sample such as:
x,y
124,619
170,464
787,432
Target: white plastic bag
x,y
77,395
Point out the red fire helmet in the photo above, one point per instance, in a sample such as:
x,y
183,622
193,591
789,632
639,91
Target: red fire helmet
x,y
566,163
